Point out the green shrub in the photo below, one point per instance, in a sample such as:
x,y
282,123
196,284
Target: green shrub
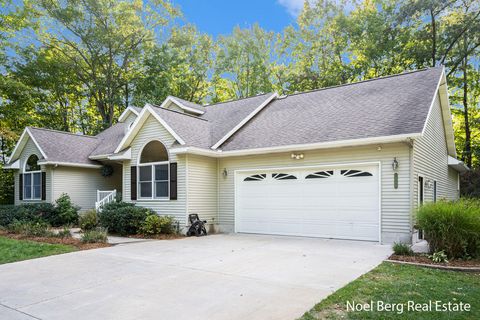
x,y
123,218
452,227
151,225
167,224
88,220
38,212
439,257
402,249
66,212
31,229
95,235
64,233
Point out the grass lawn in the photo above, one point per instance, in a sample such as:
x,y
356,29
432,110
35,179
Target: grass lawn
x,y
12,250
394,283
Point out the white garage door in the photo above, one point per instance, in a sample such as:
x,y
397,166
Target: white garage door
x,y
340,202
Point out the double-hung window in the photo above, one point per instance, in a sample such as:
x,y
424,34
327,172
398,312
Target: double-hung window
x,y
32,179
153,172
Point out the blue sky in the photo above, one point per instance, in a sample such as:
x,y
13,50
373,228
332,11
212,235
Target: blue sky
x,y
218,17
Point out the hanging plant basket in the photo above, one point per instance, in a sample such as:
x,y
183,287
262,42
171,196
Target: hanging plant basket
x,y
107,170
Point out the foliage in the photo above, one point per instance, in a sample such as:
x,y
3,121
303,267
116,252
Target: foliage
x,y
95,235
155,224
470,183
64,233
439,257
402,249
32,229
17,250
88,220
41,212
452,227
397,284
65,212
123,218
6,187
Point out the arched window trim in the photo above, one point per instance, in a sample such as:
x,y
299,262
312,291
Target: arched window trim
x,y
152,181
29,185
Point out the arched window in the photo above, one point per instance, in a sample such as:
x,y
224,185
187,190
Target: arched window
x,y
153,171
32,179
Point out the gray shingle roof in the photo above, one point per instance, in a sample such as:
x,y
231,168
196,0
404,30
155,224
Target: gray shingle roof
x,y
193,130
380,107
110,139
190,104
65,147
386,106
224,116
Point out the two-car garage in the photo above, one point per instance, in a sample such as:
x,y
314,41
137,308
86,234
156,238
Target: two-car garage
x,y
339,202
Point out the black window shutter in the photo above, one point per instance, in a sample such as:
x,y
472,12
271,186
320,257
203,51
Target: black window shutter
x,y
133,183
20,186
44,186
173,181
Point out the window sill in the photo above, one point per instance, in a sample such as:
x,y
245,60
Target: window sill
x,y
152,199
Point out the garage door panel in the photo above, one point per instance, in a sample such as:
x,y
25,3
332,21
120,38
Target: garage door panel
x,y
341,203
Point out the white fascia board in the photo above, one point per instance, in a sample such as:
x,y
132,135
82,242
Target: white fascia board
x,y
138,123
126,155
297,147
100,157
458,165
244,121
22,142
171,99
125,114
70,164
442,91
14,166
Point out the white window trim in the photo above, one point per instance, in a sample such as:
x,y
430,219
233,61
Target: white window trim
x,y
25,173
152,182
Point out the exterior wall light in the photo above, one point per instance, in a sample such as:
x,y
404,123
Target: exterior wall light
x,y
297,156
395,164
225,172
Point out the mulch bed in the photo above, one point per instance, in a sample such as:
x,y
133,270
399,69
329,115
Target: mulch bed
x,y
52,240
425,260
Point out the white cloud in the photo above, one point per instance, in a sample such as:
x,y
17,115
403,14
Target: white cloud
x,y
294,7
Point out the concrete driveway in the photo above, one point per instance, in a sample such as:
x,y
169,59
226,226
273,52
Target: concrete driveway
x,y
216,277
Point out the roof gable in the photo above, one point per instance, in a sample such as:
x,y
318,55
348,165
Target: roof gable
x,y
185,105
22,142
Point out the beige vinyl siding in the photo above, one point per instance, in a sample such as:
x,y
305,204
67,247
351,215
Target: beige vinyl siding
x,y
202,187
130,118
395,203
29,149
430,160
81,184
153,130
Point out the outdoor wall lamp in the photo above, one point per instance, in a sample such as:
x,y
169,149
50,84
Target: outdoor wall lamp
x,y
395,164
225,172
297,156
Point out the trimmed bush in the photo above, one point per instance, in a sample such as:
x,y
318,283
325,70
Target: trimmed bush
x,y
38,212
66,212
452,227
123,218
151,225
88,220
402,249
167,224
95,235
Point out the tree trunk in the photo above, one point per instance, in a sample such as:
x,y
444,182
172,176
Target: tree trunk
x,y
467,154
434,38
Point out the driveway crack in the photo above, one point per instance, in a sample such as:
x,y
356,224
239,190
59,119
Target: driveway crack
x,y
19,311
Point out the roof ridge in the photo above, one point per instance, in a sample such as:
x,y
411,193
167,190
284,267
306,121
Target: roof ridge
x,y
363,81
182,113
65,132
233,100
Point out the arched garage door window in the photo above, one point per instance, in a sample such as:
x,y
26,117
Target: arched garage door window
x,y
153,171
32,179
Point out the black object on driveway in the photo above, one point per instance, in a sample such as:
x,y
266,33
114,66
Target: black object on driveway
x,y
197,226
